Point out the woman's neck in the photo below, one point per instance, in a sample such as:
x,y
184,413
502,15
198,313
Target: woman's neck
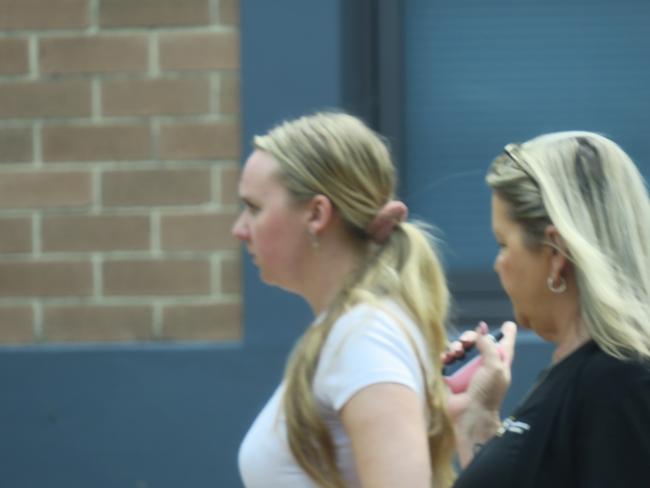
x,y
331,271
574,337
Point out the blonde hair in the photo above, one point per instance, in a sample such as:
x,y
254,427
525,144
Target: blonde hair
x,y
336,155
591,191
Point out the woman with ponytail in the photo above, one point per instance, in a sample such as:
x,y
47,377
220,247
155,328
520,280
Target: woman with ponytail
x,y
362,402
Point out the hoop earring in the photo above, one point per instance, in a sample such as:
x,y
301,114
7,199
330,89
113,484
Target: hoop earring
x,y
560,288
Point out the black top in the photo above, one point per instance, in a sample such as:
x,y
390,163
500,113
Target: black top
x,y
586,424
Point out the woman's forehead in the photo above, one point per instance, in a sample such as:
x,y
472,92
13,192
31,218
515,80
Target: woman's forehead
x,y
259,174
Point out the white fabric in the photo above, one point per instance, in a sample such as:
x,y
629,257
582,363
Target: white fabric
x,y
366,346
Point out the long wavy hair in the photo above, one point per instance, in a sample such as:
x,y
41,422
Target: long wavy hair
x,y
337,155
591,191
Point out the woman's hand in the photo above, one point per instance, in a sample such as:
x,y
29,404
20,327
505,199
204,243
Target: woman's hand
x,y
475,412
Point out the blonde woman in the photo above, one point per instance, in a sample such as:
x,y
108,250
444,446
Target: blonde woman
x,y
362,402
571,214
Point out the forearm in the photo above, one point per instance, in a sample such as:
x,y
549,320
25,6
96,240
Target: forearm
x,y
474,430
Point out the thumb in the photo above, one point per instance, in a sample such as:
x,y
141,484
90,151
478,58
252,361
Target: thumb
x,y
507,343
487,346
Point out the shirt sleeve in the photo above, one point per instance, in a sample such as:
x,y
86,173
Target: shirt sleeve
x,y
365,348
613,445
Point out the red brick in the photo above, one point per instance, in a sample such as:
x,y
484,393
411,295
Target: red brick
x,y
218,140
160,277
16,325
229,101
43,14
96,323
16,235
229,12
231,271
197,232
153,13
96,143
45,190
199,51
229,185
156,97
69,98
32,279
96,54
211,322
13,56
156,187
78,233
16,145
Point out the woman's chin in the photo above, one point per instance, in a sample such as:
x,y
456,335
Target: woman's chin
x,y
521,321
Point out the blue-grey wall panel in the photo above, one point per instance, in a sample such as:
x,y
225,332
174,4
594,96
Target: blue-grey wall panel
x,y
484,73
139,416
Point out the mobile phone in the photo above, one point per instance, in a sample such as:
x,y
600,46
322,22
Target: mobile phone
x,y
459,372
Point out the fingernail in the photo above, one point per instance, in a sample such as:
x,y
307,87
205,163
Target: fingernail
x,y
483,327
467,344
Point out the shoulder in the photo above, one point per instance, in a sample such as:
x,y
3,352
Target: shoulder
x,y
371,343
601,368
612,422
384,325
384,319
606,380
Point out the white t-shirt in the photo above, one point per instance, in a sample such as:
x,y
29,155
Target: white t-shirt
x,y
366,346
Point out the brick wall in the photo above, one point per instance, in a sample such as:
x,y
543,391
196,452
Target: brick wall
x,y
119,142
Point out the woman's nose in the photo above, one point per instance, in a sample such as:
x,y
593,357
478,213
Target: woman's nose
x,y
239,229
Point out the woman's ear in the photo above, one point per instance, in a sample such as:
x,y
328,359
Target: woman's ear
x,y
320,213
559,255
